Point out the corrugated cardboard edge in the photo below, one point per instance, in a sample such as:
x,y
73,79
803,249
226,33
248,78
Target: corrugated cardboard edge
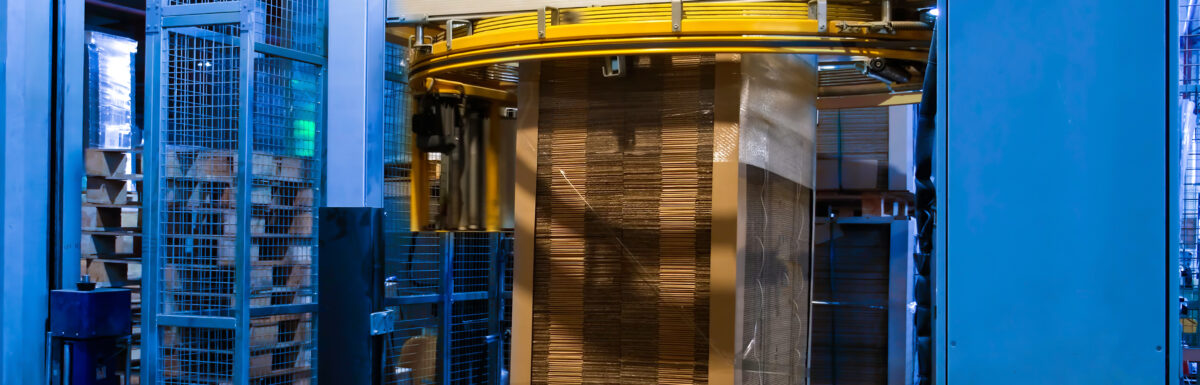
x,y
724,312
521,365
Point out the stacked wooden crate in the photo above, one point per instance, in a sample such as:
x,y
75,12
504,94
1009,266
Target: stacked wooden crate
x,y
111,223
201,208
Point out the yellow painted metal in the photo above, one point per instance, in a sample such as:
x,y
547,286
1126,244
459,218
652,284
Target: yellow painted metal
x,y
443,86
432,69
516,38
419,188
760,26
491,156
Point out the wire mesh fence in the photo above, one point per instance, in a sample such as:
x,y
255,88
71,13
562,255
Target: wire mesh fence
x,y
238,177
196,356
453,323
1189,75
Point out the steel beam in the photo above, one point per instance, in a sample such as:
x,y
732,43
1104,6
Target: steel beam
x,y
153,122
68,133
25,206
357,32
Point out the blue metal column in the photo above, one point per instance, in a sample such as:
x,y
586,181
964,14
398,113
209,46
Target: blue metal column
x,y
1057,167
445,308
25,204
357,32
245,179
70,67
153,124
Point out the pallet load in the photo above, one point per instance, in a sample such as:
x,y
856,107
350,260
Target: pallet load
x,y
111,225
655,195
199,275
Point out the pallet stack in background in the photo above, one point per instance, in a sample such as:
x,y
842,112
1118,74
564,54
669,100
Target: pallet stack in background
x,y
111,224
111,210
862,265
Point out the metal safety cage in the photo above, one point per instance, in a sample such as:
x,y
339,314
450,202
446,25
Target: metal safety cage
x,y
450,291
233,174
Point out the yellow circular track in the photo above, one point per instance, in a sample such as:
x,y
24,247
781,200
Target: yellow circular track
x,y
706,27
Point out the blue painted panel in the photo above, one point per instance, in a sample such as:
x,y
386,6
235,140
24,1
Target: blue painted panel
x,y
1055,193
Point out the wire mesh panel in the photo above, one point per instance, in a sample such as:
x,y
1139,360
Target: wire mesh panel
x,y
469,362
285,187
473,261
198,144
280,349
412,346
187,2
397,162
292,24
1189,241
238,180
452,324
196,356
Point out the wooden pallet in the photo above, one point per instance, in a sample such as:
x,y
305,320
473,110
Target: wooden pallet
x,y
113,273
865,204
112,191
104,218
112,163
111,244
222,165
292,360
280,330
222,250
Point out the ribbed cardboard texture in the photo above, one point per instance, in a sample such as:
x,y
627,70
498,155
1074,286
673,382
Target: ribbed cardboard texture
x,y
624,226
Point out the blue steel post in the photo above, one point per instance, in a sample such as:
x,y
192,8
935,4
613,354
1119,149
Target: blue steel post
x,y
153,125
24,191
494,338
355,86
1059,236
445,307
241,352
938,274
1174,184
69,139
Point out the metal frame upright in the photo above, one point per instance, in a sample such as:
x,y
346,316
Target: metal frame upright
x,y
234,117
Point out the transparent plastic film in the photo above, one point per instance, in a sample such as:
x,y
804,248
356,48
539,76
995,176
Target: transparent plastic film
x,y
110,91
777,128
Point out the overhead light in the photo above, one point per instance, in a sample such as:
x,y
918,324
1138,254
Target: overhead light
x,y
935,12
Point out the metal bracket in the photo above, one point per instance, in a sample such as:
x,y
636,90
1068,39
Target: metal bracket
x,y
676,15
450,30
819,10
614,66
420,44
383,322
508,113
408,19
543,21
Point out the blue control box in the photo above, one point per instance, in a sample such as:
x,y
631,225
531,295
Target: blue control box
x,y
96,313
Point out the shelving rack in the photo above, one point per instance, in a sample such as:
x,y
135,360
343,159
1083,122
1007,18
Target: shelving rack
x,y
234,175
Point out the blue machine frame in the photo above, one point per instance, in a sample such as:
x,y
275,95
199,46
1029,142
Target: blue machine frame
x,y
1057,171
